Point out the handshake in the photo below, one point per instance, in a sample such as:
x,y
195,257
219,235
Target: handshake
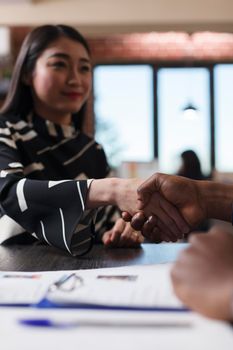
x,y
164,207
171,206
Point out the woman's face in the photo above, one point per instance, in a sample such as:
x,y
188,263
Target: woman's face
x,y
61,81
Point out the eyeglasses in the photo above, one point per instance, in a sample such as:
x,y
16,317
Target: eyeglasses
x,y
67,283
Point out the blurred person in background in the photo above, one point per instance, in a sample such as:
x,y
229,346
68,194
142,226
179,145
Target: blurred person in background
x,y
191,168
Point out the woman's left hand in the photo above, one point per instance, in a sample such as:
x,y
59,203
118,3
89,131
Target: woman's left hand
x,y
122,236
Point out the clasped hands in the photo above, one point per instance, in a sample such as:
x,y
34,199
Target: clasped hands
x,y
167,207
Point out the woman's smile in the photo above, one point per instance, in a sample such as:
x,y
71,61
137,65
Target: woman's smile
x,y
73,95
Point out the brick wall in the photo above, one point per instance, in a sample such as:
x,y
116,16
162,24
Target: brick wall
x,y
171,46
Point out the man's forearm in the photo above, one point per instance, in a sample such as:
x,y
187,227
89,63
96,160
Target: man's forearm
x,y
217,199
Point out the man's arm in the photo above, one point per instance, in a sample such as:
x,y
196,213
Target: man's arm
x,y
217,198
196,200
203,274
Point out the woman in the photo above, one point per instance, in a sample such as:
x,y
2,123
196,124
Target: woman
x,y
191,166
46,159
41,125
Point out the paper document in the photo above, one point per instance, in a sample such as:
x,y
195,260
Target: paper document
x,y
25,287
130,287
124,287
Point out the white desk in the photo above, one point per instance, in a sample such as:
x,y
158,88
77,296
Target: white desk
x,y
203,334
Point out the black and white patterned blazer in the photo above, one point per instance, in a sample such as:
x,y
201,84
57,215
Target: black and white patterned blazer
x,y
44,177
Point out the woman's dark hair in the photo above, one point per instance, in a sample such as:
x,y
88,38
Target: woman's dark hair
x,y
191,166
19,98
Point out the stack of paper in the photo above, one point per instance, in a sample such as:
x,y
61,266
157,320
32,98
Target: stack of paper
x,y
133,287
125,287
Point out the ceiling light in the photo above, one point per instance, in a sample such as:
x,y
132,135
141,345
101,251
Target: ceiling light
x,y
190,111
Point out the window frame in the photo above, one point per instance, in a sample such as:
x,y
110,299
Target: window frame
x,y
156,65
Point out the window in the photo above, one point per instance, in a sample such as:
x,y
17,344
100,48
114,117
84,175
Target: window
x,y
178,88
124,108
123,105
223,78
